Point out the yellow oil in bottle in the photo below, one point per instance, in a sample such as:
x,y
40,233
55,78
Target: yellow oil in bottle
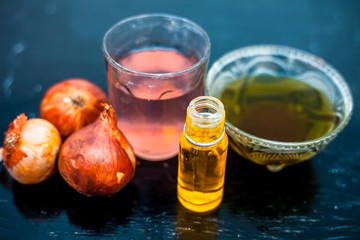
x,y
202,156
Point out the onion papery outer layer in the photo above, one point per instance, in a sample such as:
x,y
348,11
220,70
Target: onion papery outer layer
x,y
98,160
30,149
72,104
12,154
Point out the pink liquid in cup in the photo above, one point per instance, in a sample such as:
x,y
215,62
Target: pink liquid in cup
x,y
153,117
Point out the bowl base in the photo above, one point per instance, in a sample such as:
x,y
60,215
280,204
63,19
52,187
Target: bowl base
x,y
275,167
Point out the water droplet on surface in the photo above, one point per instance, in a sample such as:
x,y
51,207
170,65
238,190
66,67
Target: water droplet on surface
x,y
43,212
37,88
8,81
19,47
337,170
52,234
7,86
340,184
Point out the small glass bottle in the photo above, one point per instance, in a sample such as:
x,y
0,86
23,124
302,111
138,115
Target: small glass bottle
x,y
202,155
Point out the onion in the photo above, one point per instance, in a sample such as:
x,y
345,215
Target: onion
x,y
30,149
72,104
98,160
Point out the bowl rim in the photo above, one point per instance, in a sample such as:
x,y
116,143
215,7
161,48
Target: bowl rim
x,y
295,54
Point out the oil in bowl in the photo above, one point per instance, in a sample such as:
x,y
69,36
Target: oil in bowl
x,y
278,108
283,105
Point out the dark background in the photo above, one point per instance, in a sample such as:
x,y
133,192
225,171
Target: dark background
x,y
45,41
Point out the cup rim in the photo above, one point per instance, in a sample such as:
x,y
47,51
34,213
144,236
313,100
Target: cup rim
x,y
156,75
295,54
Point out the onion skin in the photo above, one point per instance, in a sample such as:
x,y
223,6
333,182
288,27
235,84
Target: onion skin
x,y
98,160
72,104
30,149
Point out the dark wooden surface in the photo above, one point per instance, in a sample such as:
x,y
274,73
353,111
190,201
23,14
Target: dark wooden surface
x,y
45,41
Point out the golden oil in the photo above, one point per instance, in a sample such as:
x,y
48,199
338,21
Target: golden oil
x,y
279,108
202,155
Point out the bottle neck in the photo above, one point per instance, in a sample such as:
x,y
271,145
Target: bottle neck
x,y
205,121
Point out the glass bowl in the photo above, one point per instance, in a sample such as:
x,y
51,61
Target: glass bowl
x,y
273,62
